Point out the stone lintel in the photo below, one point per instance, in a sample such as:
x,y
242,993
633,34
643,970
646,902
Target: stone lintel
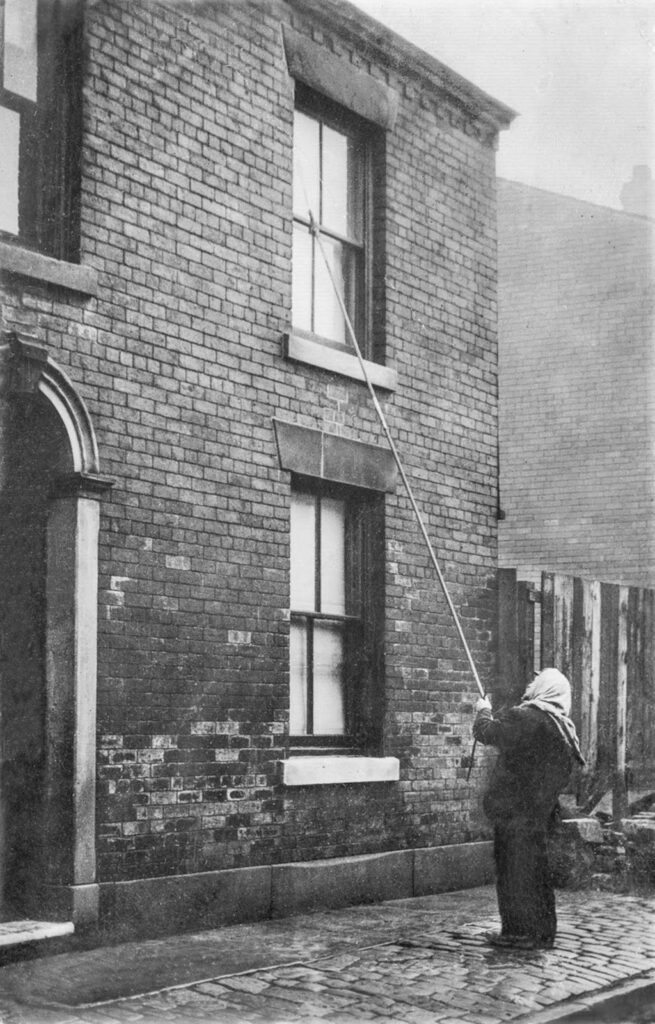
x,y
325,456
330,75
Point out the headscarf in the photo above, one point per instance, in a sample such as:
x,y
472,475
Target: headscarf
x,y
550,691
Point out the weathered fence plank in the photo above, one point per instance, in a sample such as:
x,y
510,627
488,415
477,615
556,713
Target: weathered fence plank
x,y
619,795
563,624
547,620
645,774
635,675
526,631
587,677
609,621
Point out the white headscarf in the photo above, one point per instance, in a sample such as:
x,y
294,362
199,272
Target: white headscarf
x,y
550,691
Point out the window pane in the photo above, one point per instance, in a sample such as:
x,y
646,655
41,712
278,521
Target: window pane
x,y
333,559
20,48
10,136
328,318
301,300
335,181
298,680
343,184
303,557
306,167
329,711
347,270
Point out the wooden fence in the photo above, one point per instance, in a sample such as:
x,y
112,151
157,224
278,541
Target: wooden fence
x,y
602,637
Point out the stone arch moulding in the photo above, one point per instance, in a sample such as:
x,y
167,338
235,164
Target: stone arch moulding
x,y
33,371
69,886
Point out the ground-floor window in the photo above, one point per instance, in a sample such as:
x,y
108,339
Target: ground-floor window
x,y
336,574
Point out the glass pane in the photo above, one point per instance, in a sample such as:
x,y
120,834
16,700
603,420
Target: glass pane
x,y
343,184
328,318
335,181
333,556
329,710
10,136
306,166
346,264
298,680
20,48
303,557
301,300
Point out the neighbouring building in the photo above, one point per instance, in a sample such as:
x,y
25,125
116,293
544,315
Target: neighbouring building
x,y
231,686
577,387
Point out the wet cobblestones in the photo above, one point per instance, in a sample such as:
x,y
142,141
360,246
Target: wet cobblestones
x,y
430,965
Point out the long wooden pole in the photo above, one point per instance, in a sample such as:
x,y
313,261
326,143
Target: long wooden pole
x,y
394,451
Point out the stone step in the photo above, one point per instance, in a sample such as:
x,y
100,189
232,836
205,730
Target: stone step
x,y
16,933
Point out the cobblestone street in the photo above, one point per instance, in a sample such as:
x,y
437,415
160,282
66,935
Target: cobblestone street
x,y
419,961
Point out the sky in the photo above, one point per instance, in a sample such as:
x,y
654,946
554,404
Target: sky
x,y
579,73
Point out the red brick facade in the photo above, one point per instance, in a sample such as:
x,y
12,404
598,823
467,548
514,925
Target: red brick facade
x,y
178,354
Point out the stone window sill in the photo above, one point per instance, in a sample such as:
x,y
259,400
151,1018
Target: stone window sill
x,y
16,260
336,769
312,352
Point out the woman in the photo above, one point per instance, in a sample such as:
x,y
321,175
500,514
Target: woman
x,y
538,747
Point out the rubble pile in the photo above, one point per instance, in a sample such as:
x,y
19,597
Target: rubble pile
x,y
596,851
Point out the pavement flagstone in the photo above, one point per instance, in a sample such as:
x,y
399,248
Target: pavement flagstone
x,y
412,961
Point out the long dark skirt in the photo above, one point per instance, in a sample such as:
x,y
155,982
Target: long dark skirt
x,y
526,898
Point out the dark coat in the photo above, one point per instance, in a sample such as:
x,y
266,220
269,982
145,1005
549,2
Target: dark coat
x,y
533,766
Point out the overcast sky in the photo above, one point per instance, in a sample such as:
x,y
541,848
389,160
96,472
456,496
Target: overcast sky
x,y
580,73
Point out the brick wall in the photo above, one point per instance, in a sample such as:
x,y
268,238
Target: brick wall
x,y
187,218
577,318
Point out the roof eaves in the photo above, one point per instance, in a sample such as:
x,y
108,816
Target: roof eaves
x,y
407,58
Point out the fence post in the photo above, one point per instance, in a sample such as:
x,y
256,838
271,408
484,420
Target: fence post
x,y
508,646
526,600
547,620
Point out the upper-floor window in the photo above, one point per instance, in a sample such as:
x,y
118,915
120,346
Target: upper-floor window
x,y
336,601
40,92
332,181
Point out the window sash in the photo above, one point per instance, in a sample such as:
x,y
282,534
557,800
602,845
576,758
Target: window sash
x,y
9,170
343,226
18,48
324,595
319,705
332,187
18,93
316,308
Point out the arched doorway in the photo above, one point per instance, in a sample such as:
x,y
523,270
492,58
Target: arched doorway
x,y
49,516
